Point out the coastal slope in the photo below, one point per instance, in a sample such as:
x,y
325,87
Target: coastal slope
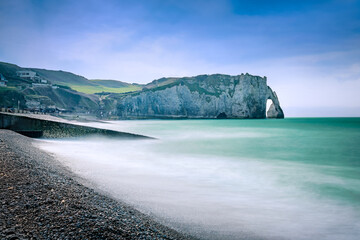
x,y
202,96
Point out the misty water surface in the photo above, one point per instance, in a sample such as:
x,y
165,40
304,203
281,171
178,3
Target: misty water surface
x,y
231,179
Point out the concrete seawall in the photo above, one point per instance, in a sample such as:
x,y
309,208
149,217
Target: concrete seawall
x,y
51,127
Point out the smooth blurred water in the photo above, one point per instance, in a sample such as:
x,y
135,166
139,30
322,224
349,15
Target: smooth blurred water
x,y
295,178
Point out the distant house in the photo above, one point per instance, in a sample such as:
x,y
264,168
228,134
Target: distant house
x,y
3,81
39,84
32,76
26,74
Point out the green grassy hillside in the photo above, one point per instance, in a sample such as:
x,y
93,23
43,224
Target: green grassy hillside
x,y
97,89
63,98
62,78
10,97
161,82
111,86
110,83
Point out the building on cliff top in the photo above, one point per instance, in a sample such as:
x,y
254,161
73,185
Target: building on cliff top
x,y
3,81
26,74
31,75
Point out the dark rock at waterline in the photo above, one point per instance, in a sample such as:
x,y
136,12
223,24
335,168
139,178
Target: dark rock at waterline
x,y
222,116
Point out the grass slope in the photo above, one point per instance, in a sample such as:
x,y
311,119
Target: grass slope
x,y
97,89
62,78
110,83
111,86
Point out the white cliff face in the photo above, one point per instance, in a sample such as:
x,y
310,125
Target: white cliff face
x,y
205,96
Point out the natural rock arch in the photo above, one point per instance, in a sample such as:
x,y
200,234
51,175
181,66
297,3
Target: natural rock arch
x,y
274,110
269,103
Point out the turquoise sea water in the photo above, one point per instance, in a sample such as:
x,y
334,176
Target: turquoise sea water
x,y
296,178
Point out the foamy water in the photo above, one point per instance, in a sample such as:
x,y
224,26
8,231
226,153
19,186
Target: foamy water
x,y
231,179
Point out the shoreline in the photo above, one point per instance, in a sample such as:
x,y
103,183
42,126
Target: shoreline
x,y
41,199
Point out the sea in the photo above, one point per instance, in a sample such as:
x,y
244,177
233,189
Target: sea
x,y
293,178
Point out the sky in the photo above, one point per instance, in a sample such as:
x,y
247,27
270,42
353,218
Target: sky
x,y
309,50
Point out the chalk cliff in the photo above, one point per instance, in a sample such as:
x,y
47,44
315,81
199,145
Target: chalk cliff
x,y
204,96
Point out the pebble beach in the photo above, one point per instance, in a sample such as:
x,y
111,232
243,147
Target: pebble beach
x,y
41,199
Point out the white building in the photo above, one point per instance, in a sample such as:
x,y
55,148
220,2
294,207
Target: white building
x,y
32,76
3,81
26,74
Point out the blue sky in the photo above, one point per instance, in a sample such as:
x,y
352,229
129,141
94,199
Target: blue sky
x,y
309,50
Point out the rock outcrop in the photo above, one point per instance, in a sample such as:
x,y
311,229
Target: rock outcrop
x,y
204,96
275,110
